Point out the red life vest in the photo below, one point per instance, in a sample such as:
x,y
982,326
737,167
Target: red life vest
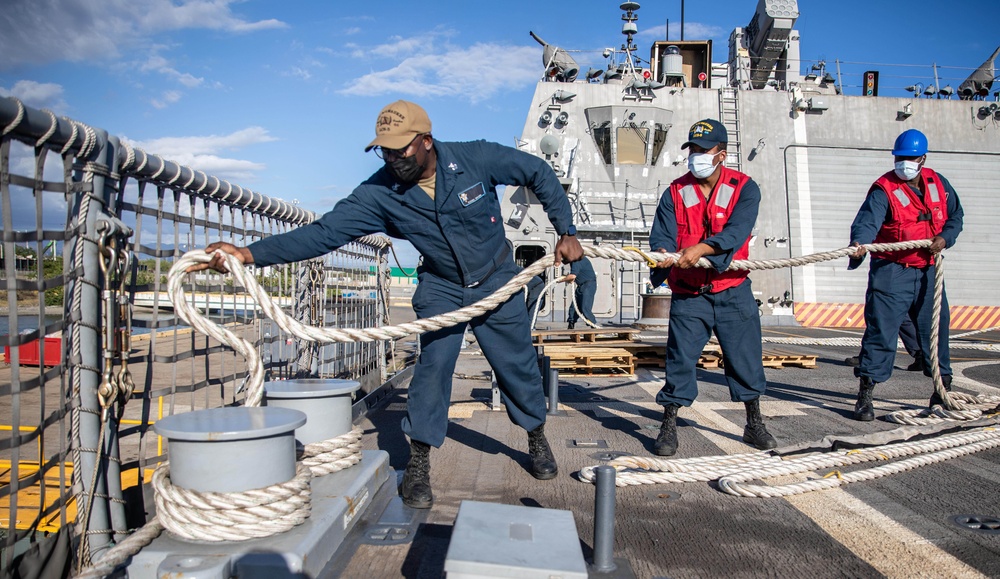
x,y
697,220
911,217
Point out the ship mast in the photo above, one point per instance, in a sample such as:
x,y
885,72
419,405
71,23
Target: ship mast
x,y
629,29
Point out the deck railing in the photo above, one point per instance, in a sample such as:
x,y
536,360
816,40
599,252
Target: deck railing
x,y
94,354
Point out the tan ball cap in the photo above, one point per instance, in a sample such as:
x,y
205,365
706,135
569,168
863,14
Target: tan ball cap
x,y
398,124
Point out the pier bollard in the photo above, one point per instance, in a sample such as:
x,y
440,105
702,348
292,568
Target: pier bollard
x,y
326,402
553,392
604,519
222,449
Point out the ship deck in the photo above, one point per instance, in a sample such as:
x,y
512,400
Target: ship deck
x,y
897,526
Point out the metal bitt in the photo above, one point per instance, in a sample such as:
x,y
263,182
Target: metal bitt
x,y
222,450
326,403
604,520
553,391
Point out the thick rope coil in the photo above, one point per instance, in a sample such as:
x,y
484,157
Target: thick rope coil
x,y
234,516
733,471
924,453
252,514
334,454
966,407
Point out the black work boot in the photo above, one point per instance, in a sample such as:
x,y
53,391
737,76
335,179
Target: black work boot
x,y
755,433
936,399
666,442
864,410
543,463
416,486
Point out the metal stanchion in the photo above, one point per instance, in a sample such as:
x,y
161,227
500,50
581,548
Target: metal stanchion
x,y
604,520
553,392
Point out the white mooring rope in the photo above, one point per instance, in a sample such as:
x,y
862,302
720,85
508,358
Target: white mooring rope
x,y
956,406
707,466
734,472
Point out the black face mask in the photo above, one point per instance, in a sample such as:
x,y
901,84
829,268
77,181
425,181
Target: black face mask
x,y
406,170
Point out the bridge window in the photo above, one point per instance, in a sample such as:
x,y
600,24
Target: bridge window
x,y
632,141
602,138
659,138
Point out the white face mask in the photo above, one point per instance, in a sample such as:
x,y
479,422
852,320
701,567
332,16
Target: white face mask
x,y
907,170
700,164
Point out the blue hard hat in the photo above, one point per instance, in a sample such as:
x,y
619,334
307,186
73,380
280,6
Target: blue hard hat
x,y
910,143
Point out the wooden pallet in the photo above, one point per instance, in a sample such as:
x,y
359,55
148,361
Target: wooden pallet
x,y
590,360
782,359
585,336
711,357
654,355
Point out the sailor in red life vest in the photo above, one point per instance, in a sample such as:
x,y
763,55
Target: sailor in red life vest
x,y
910,202
709,212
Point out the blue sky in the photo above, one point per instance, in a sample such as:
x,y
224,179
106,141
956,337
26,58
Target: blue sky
x,y
281,96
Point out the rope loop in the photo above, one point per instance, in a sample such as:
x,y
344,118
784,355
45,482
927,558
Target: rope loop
x,y
334,454
252,514
17,119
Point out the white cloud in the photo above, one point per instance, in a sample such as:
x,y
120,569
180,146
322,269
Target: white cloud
x,y
168,146
235,170
476,72
40,95
692,30
298,72
205,152
159,64
40,31
170,97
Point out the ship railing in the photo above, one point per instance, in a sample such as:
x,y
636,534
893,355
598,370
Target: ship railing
x,y
88,367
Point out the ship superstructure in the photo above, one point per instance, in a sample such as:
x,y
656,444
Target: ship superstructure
x,y
613,137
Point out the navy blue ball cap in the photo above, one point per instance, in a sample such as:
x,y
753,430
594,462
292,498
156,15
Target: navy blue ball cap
x,y
706,134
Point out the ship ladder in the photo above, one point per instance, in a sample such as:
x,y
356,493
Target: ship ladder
x,y
729,115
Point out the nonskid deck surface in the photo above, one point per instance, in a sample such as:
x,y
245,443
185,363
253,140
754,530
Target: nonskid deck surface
x,y
898,526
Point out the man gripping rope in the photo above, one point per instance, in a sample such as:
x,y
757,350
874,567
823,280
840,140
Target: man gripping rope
x,y
441,197
709,212
910,202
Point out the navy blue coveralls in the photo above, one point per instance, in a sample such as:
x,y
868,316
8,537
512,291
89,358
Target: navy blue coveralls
x,y
732,314
896,291
586,289
460,234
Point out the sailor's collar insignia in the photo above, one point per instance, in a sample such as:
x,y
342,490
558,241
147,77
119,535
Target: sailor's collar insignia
x,y
395,187
453,166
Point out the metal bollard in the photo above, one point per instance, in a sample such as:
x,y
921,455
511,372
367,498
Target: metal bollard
x,y
553,392
604,519
544,364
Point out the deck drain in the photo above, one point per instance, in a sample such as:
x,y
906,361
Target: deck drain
x,y
585,443
599,399
664,495
608,455
978,523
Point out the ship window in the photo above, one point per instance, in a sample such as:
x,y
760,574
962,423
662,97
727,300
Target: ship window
x,y
632,145
659,138
602,137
